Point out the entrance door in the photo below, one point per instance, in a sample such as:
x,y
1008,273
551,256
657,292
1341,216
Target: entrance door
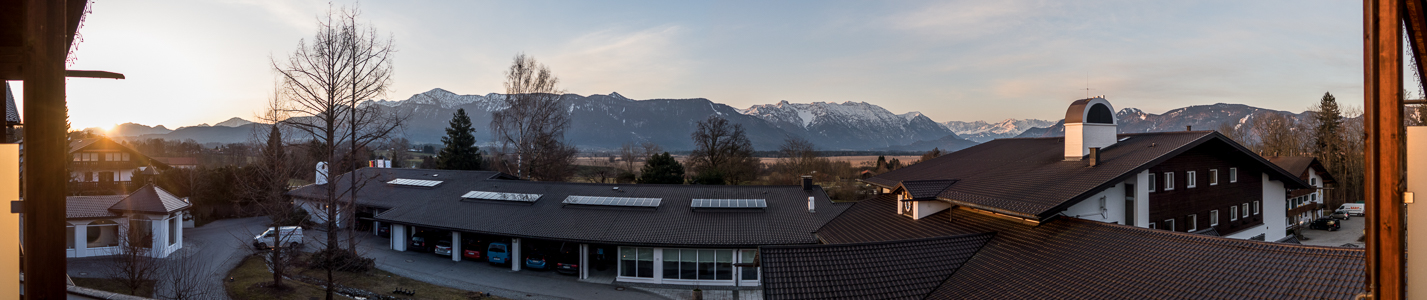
x,y
1130,204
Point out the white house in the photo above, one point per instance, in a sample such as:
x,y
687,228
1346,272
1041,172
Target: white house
x,y
94,224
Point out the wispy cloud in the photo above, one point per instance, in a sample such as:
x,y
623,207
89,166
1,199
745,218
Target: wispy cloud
x,y
611,60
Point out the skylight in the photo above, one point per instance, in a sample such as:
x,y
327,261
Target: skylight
x,y
414,182
498,196
729,203
613,201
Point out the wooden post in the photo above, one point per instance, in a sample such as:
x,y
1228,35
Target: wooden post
x,y
1384,145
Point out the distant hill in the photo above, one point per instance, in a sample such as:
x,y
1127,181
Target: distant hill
x,y
982,131
1198,117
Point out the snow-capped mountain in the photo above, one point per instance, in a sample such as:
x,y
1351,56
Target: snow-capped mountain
x,y
848,125
1197,117
982,131
448,100
234,122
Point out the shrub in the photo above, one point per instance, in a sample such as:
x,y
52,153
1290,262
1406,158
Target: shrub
x,y
340,260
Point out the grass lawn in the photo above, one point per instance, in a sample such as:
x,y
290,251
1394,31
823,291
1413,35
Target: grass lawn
x,y
250,281
109,285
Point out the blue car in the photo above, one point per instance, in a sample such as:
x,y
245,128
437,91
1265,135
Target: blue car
x,y
536,261
498,253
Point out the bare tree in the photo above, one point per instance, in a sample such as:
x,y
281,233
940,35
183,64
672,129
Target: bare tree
x,y
1278,135
268,185
131,263
325,83
184,277
532,127
722,153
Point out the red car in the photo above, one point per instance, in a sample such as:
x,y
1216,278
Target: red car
x,y
472,250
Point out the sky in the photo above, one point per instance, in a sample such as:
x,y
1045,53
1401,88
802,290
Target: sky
x,y
189,62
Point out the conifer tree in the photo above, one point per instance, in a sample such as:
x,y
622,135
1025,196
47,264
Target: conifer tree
x,y
662,168
460,151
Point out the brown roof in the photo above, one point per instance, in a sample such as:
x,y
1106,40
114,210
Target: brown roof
x,y
882,270
1069,258
1299,165
178,161
1030,178
82,207
150,199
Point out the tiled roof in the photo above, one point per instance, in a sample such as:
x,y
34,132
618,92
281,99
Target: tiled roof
x,y
1298,165
922,189
76,144
1068,258
150,199
786,220
12,112
881,270
80,207
1029,177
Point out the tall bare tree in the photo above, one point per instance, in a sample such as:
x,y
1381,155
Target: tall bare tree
x,y
131,263
183,276
1279,135
531,129
325,83
268,185
722,153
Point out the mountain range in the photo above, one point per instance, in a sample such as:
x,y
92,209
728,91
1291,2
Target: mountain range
x,y
611,120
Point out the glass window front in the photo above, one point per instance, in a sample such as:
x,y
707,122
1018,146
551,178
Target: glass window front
x,y
706,264
723,264
749,273
102,233
688,264
636,262
671,263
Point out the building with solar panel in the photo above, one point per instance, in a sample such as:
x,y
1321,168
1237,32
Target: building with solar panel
x,y
640,233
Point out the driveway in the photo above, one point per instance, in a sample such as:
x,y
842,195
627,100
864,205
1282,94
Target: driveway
x,y
483,277
1350,232
219,246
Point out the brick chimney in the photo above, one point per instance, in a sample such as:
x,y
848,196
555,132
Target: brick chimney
x,y
1089,123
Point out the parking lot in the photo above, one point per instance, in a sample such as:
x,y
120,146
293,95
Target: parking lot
x,y
1351,231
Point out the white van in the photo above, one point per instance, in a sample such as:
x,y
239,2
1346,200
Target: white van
x,y
291,237
1353,208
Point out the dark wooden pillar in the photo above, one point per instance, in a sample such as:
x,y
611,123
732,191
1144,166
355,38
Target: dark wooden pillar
x,y
46,38
1384,147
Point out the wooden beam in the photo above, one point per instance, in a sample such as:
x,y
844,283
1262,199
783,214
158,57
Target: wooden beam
x,y
1384,147
45,149
92,74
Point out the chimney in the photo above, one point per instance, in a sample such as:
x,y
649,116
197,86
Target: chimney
x,y
1094,156
321,173
1188,127
807,183
1089,123
811,209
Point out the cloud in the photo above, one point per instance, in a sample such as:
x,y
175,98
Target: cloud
x,y
961,20
298,14
609,60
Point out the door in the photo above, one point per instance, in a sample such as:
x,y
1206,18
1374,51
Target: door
x,y
1130,204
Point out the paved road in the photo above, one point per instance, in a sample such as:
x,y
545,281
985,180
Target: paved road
x,y
482,277
219,247
1350,232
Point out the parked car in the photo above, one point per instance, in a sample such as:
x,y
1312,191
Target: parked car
x,y
384,230
443,247
536,261
498,253
568,260
291,237
1342,214
472,249
1325,223
419,244
1353,208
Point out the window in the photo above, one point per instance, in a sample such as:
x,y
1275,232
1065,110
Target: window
x,y
702,264
1193,222
1152,225
1233,175
69,236
1214,217
1190,181
1151,182
749,273
124,157
1102,204
173,228
1233,213
141,233
1313,181
102,233
1256,207
1313,197
1213,176
1169,224
907,207
1246,210
636,262
1169,181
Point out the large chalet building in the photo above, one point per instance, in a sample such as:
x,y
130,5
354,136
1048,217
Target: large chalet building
x,y
101,166
1189,181
1305,205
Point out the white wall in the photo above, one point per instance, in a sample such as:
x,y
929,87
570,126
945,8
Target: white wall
x,y
1274,209
927,208
317,213
160,225
1142,199
1080,137
1089,209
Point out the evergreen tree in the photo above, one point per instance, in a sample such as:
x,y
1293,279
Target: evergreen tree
x,y
662,168
1329,118
460,151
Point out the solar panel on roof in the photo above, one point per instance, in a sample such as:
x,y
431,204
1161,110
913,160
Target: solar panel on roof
x,y
729,203
613,201
414,182
498,196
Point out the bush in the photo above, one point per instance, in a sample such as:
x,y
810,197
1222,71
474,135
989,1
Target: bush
x,y
340,260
